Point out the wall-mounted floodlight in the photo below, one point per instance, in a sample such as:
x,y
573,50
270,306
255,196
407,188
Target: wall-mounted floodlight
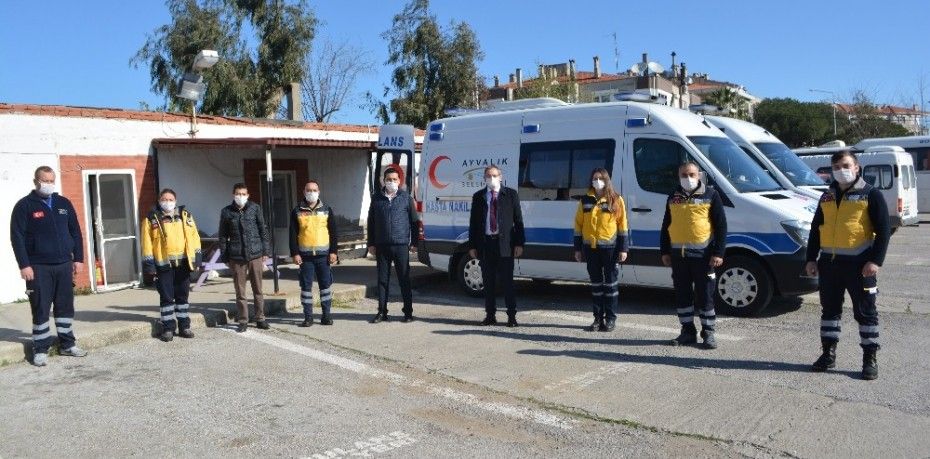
x,y
205,59
191,87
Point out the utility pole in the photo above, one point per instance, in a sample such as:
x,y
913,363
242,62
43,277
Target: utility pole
x,y
833,98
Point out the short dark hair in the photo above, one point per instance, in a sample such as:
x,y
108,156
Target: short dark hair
x,y
165,191
240,186
42,169
842,154
390,170
313,182
689,163
493,166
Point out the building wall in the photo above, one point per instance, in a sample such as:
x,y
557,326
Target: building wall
x,y
87,142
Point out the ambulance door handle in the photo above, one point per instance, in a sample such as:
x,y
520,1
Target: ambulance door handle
x,y
642,209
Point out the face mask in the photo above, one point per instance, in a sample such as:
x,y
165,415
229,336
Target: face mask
x,y
844,176
312,196
46,189
241,200
688,183
167,206
598,184
493,183
391,187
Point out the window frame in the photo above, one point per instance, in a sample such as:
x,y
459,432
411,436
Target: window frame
x,y
525,166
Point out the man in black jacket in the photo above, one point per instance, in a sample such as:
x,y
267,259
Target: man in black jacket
x,y
49,249
496,237
245,243
392,231
693,241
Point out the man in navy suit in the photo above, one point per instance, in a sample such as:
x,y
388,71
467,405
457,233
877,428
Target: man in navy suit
x,y
496,237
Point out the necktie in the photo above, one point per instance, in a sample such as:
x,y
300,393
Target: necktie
x,y
493,224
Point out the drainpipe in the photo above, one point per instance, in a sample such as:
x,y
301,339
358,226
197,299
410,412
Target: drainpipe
x,y
274,253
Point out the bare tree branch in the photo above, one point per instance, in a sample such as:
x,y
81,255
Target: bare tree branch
x,y
330,77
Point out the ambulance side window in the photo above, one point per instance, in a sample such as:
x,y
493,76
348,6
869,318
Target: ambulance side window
x,y
878,176
561,171
656,163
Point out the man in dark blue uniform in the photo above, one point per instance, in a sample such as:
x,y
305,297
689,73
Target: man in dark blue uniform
x,y
49,250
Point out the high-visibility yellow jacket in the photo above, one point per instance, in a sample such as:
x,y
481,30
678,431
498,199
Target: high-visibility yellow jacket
x,y
695,224
313,230
169,239
597,226
850,225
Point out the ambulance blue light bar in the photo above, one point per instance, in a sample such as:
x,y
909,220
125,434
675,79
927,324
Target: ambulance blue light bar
x,y
437,127
531,129
636,122
435,136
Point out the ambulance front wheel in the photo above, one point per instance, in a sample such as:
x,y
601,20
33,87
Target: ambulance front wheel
x,y
468,273
744,286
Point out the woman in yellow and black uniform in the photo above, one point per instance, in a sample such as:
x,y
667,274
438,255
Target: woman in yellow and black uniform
x,y
170,251
848,240
601,236
692,241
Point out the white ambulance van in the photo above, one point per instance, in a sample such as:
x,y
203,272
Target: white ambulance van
x,y
772,155
547,150
891,170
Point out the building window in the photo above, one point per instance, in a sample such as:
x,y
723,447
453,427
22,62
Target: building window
x,y
561,171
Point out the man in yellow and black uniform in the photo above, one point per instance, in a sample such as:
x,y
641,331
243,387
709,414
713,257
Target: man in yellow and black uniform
x,y
314,244
692,242
170,251
848,240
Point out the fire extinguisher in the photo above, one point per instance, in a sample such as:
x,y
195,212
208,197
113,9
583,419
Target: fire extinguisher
x,y
98,272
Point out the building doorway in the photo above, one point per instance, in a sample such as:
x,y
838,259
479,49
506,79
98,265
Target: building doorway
x,y
113,258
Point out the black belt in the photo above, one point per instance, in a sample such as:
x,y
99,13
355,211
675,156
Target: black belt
x,y
492,236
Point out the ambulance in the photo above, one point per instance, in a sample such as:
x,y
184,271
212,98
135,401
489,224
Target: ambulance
x,y
547,149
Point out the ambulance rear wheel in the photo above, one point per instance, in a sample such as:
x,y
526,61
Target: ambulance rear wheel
x,y
744,286
468,273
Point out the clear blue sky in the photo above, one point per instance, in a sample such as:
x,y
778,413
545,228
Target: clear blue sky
x,y
77,53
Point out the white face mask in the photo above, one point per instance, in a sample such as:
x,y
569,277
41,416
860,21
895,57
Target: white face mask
x,y
46,189
493,183
241,200
312,196
844,176
688,183
167,206
598,184
391,187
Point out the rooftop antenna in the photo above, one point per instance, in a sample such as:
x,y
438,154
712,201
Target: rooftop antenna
x,y
616,54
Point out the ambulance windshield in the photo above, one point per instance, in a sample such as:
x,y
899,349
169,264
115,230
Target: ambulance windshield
x,y
744,173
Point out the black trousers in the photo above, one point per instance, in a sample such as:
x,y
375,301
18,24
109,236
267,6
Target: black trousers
x,y
52,284
494,267
837,278
602,269
174,285
694,282
399,255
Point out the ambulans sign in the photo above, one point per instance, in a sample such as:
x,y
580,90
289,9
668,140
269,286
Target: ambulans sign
x,y
396,137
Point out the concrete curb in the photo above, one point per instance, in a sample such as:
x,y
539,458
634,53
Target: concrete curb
x,y
202,316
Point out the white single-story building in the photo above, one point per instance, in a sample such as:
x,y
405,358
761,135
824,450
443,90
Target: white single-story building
x,y
111,164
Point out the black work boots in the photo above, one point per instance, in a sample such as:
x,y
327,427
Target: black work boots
x,y
826,360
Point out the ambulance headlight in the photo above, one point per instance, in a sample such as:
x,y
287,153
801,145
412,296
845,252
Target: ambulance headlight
x,y
798,230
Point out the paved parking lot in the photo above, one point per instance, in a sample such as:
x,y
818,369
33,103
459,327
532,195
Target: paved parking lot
x,y
443,386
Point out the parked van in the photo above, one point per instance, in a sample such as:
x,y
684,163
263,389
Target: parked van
x,y
891,170
773,155
547,149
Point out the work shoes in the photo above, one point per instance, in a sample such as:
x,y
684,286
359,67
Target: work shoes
x,y
166,335
609,326
596,325
262,325
186,333
326,320
710,342
826,360
308,322
241,328
687,336
869,364
407,318
512,322
380,317
40,359
73,351
488,320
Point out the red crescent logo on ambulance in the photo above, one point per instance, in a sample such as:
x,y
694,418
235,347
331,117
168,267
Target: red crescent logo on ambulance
x,y
432,172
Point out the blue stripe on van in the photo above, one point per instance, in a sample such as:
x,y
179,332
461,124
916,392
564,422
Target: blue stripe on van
x,y
763,243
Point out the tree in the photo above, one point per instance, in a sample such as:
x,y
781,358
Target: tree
x,y
794,122
248,81
329,78
730,100
864,121
435,69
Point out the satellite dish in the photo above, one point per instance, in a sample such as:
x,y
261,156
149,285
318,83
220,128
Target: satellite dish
x,y
640,68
